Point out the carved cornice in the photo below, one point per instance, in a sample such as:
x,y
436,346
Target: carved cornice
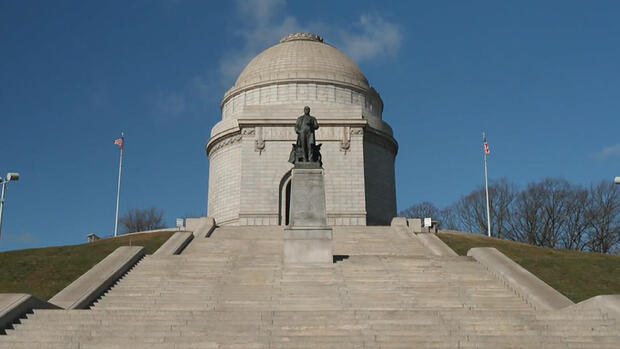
x,y
259,142
301,36
345,142
281,130
357,131
211,148
290,122
386,141
247,131
368,92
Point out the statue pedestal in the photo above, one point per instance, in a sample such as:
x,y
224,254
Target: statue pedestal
x,y
308,238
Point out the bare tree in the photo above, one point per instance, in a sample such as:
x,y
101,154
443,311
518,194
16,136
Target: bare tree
x,y
604,217
141,220
421,210
501,197
541,212
449,218
526,211
550,213
471,209
556,194
577,221
471,212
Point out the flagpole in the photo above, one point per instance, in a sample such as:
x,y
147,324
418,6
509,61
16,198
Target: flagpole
x,y
118,188
486,186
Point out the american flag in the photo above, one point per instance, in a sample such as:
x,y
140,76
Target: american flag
x,y
486,146
119,142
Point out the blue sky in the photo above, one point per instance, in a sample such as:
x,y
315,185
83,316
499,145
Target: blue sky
x,y
542,78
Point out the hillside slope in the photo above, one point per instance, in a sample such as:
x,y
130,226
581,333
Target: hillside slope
x,y
577,275
43,272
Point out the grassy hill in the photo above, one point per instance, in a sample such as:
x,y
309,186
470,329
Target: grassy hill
x,y
43,272
577,275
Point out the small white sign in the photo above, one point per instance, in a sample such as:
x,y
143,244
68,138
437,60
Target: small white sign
x,y
179,222
428,223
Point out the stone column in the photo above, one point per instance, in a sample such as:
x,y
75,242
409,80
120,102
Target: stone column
x,y
308,238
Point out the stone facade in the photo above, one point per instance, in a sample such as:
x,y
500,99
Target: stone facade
x,y
224,182
249,176
300,93
379,182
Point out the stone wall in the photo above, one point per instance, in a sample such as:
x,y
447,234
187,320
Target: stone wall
x,y
380,181
344,182
301,93
248,170
359,182
263,170
224,180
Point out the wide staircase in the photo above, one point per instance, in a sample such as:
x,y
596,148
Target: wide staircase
x,y
385,290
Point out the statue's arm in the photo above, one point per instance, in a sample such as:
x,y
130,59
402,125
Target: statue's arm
x,y
315,124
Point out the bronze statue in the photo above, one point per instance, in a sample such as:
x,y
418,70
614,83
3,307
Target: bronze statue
x,y
306,150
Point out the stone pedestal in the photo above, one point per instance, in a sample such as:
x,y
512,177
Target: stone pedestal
x,y
307,245
308,238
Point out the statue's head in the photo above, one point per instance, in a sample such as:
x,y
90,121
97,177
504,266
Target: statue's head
x,y
306,110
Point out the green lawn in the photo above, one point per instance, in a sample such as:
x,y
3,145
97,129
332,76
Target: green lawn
x,y
43,272
577,275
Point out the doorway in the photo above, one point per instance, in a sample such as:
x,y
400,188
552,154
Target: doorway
x,y
285,199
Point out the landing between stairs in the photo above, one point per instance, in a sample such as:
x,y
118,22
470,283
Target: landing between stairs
x,y
386,290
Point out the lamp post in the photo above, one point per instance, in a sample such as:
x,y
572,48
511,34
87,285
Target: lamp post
x,y
11,176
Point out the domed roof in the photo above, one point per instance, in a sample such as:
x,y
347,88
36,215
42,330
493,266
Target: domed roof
x,y
300,57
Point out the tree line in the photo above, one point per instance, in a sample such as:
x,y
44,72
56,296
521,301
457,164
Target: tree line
x,y
136,220
549,213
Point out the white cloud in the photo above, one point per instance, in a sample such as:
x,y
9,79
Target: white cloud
x,y
261,11
199,86
99,95
189,100
171,103
264,22
24,238
260,24
371,38
611,151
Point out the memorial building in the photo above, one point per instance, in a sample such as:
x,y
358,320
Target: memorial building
x,y
248,150
302,143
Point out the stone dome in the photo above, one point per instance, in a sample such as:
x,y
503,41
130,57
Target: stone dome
x,y
300,57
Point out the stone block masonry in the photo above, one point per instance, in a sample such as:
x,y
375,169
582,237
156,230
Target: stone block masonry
x,y
379,182
88,287
262,177
233,290
533,290
248,150
15,305
308,239
224,183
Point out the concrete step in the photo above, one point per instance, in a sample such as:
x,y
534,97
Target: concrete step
x,y
232,291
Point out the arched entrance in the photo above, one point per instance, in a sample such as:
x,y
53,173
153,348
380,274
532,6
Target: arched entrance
x,y
285,199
